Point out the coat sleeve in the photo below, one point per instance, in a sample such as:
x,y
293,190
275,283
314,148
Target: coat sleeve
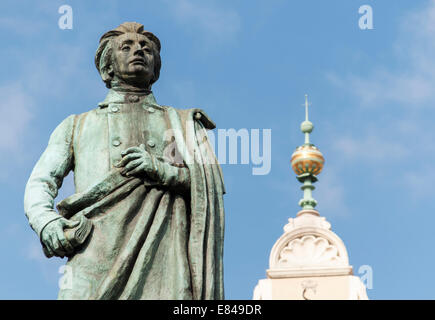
x,y
47,177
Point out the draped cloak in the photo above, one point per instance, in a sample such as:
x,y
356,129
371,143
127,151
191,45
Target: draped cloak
x,y
151,239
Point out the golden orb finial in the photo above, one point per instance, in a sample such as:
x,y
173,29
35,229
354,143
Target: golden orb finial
x,y
307,158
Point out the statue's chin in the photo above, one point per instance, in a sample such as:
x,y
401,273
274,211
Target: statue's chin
x,y
139,68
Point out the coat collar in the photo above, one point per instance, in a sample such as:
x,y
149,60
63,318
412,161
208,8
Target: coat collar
x,y
128,97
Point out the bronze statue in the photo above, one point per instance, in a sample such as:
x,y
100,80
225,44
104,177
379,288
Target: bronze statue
x,y
147,217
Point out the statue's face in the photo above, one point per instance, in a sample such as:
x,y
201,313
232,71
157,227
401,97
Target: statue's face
x,y
133,59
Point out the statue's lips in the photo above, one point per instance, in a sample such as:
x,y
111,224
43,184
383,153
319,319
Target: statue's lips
x,y
138,61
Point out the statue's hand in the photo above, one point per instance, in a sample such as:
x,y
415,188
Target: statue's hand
x,y
136,161
53,237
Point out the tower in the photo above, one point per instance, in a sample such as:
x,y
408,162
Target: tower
x,y
309,261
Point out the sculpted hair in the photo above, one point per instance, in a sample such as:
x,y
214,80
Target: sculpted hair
x,y
103,56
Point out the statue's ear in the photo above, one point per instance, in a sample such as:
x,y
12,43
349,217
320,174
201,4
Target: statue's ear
x,y
107,73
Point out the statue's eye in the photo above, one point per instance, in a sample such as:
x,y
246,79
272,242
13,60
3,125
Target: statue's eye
x,y
125,48
146,49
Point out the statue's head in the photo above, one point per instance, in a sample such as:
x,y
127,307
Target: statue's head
x,y
129,55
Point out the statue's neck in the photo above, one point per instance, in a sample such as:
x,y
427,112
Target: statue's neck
x,y
128,88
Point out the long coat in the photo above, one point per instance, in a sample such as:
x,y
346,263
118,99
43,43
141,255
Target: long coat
x,y
151,239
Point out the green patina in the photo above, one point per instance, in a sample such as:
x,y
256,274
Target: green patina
x,y
147,217
307,179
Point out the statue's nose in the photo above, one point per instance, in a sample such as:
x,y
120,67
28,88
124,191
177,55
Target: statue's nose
x,y
138,50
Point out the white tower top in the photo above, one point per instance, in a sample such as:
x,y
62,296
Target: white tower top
x,y
309,261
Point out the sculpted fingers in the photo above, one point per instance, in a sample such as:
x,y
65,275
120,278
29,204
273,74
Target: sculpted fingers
x,y
45,237
140,168
134,160
126,159
132,164
47,243
131,150
64,242
49,250
56,246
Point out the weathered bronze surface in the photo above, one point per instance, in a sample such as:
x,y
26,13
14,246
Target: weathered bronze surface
x,y
147,218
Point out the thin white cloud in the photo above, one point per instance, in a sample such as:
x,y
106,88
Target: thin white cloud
x,y
330,195
16,113
370,148
19,26
409,89
210,19
419,183
54,73
410,85
22,101
34,253
48,268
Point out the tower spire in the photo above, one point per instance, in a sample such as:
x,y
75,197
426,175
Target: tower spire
x,y
307,162
306,107
307,126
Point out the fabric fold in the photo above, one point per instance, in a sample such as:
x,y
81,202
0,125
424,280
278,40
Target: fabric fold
x,y
149,241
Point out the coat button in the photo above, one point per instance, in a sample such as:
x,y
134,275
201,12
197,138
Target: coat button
x,y
133,98
151,143
115,109
116,142
151,110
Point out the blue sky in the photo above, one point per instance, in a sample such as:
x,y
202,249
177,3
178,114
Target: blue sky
x,y
248,64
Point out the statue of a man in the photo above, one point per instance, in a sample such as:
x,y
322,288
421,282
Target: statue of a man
x,y
147,217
